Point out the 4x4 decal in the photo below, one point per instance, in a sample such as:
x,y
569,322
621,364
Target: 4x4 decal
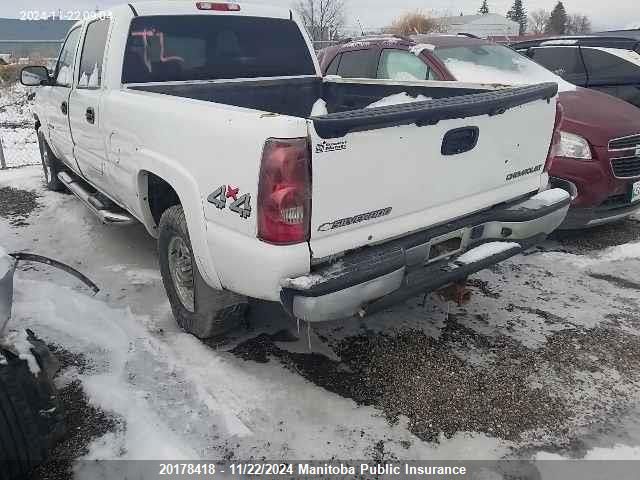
x,y
240,205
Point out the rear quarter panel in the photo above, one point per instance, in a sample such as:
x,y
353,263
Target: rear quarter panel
x,y
198,147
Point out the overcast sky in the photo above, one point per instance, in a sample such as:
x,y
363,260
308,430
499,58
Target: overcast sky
x,y
605,14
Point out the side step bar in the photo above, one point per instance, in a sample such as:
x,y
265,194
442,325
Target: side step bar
x,y
93,203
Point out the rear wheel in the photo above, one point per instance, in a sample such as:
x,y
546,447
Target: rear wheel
x,y
198,308
51,166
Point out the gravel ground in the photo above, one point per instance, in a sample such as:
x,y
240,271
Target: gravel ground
x,y
424,379
474,374
17,205
84,422
597,238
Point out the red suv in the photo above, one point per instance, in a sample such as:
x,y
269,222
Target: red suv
x,y
598,159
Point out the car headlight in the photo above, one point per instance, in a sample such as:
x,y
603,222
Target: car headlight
x,y
573,146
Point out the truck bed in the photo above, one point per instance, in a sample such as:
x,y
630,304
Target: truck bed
x,y
296,96
465,150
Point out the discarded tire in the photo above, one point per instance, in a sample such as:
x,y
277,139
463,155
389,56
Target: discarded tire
x,y
31,417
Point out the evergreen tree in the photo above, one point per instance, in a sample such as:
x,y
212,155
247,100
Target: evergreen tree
x,y
519,15
557,24
484,9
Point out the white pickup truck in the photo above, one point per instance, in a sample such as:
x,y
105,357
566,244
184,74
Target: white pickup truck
x,y
195,118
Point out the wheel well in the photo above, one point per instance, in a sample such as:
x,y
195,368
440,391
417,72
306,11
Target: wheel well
x,y
161,196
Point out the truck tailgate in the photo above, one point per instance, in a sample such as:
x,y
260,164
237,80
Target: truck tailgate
x,y
381,172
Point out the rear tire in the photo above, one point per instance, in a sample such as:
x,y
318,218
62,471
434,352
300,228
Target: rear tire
x,y
197,308
51,166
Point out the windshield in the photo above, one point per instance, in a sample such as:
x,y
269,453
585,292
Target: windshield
x,y
196,47
495,64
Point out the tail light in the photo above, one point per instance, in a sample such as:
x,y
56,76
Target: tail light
x,y
284,191
555,139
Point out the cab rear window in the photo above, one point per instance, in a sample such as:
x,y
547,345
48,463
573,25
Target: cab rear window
x,y
198,47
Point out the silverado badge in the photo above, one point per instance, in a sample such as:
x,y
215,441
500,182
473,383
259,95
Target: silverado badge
x,y
363,217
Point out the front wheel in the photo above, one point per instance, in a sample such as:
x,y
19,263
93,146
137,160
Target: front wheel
x,y
50,165
197,308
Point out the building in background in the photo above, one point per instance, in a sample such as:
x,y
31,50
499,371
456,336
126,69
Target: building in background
x,y
490,25
32,38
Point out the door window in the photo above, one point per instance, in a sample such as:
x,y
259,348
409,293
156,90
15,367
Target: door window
x,y
404,66
605,66
563,61
95,41
357,64
63,75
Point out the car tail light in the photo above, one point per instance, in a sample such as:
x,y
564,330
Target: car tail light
x,y
221,7
555,139
284,191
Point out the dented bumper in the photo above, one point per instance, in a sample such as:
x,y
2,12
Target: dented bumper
x,y
376,277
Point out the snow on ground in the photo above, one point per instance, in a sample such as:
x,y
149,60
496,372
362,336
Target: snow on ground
x,y
18,137
613,465
14,106
617,452
20,146
545,357
19,344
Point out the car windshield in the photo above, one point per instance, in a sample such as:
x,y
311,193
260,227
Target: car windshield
x,y
495,64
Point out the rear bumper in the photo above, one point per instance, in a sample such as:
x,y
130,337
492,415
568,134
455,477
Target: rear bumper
x,y
376,277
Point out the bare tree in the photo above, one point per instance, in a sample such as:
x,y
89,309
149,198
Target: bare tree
x,y
324,19
578,24
414,23
538,20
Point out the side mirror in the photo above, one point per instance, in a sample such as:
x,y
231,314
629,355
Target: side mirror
x,y
34,76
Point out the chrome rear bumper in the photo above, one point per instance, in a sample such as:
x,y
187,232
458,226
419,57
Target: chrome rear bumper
x,y
377,277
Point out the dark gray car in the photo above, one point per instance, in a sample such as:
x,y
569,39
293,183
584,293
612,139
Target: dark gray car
x,y
610,64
